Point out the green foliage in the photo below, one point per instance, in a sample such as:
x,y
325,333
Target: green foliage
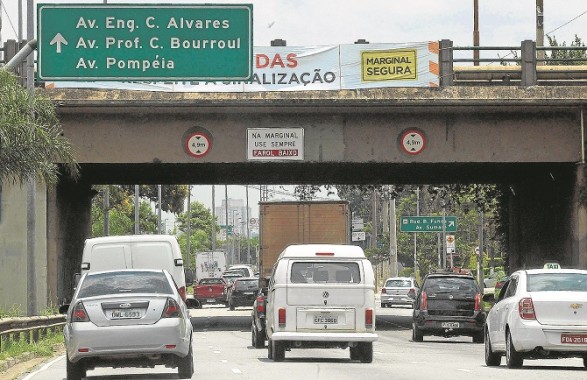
x,y
566,57
44,347
201,225
121,214
31,140
172,196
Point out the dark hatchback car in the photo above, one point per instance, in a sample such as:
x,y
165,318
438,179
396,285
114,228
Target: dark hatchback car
x,y
258,334
448,304
243,292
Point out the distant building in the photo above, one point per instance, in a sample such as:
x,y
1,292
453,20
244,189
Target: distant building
x,y
237,214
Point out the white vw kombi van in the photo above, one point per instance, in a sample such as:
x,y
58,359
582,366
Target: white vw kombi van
x,y
321,296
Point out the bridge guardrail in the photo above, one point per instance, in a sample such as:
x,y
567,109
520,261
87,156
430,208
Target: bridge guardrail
x,y
529,65
31,329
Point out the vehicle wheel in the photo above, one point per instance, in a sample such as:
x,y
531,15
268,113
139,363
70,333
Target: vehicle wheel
x,y
491,358
75,371
278,351
257,338
185,367
355,354
383,305
585,361
513,358
230,306
270,349
366,352
417,335
478,337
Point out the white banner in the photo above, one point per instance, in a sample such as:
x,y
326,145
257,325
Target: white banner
x,y
313,68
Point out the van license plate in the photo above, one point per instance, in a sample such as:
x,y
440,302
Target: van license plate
x,y
450,325
125,314
328,320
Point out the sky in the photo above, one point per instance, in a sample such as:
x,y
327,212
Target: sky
x,y
326,22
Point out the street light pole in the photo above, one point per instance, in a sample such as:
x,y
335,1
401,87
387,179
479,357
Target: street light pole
x,y
415,234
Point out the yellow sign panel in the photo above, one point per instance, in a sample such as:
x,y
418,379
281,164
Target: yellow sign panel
x,y
385,65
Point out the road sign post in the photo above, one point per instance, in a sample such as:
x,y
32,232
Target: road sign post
x,y
154,42
427,224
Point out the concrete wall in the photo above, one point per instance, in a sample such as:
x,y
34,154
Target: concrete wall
x,y
14,271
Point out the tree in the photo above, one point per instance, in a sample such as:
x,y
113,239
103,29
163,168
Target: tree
x,y
566,57
31,140
201,224
172,196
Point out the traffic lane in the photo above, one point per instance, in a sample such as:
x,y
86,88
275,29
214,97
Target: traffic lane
x,y
220,318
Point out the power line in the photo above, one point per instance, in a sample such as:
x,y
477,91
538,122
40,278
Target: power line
x,y
566,23
8,16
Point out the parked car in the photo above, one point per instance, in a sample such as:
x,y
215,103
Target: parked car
x,y
449,304
229,277
127,318
211,291
243,292
258,333
539,313
399,291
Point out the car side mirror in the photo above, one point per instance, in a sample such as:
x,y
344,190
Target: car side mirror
x,y
63,308
192,303
489,298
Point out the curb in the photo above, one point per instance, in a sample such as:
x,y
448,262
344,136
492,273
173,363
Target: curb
x,y
6,364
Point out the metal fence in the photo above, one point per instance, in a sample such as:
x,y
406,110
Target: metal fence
x,y
28,329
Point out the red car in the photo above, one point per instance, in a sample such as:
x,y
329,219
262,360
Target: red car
x,y
211,291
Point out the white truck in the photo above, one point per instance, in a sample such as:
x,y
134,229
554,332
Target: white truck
x,y
210,264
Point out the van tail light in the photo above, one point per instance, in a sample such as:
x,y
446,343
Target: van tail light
x,y
383,290
526,308
369,317
79,313
478,302
281,317
260,304
182,293
171,310
424,303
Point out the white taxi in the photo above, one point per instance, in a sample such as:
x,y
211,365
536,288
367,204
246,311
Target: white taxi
x,y
539,313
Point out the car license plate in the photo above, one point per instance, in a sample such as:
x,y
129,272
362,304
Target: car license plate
x,y
325,319
210,300
450,325
125,314
249,293
574,338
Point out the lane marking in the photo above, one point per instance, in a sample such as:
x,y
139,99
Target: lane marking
x,y
43,368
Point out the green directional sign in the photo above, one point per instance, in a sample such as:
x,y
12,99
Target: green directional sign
x,y
156,42
427,223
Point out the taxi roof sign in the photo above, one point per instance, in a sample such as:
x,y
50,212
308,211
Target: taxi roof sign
x,y
552,265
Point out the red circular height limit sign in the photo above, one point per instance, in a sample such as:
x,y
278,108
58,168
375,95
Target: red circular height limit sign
x,y
413,141
198,144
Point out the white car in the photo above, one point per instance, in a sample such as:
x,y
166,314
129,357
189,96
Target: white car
x,y
540,313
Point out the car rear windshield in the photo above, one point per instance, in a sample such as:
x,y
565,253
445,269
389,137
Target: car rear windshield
x,y
247,284
102,284
211,281
325,272
557,282
398,283
450,284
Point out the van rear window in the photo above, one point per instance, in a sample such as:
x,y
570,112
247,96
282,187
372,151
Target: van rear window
x,y
325,273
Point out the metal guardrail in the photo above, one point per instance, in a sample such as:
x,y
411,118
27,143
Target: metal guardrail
x,y
29,329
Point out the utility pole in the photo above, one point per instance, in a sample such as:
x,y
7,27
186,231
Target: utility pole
x,y
137,229
476,32
415,234
392,239
213,218
189,227
540,31
32,185
106,195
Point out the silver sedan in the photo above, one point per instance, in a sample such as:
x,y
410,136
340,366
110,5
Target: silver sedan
x,y
127,318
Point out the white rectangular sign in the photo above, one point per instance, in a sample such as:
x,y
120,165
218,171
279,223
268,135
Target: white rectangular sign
x,y
271,144
358,236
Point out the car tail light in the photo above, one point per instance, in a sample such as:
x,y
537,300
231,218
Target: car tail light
x,y
281,317
383,290
171,310
260,304
369,317
79,313
324,253
477,302
424,304
182,293
526,308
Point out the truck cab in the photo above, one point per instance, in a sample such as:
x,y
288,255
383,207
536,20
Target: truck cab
x,y
321,296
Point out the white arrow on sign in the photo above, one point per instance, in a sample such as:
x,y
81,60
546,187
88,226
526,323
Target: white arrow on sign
x,y
58,39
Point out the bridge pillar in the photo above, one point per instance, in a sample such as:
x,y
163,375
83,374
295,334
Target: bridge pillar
x,y
445,56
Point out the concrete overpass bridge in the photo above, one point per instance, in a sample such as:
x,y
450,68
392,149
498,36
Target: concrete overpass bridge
x,y
529,137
